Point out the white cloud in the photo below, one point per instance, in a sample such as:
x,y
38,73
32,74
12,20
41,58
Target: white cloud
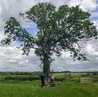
x,y
12,58
95,23
84,4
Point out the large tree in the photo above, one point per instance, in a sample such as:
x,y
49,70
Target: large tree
x,y
57,29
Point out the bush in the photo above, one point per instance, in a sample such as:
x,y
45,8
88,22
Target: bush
x,y
21,78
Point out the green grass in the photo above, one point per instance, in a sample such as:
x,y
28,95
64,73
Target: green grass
x,y
62,89
69,87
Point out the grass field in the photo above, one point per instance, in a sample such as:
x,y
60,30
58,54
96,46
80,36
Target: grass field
x,y
65,88
62,89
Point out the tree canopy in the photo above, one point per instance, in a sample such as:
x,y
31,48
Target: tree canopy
x,y
57,29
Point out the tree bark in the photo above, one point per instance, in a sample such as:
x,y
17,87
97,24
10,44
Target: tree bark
x,y
46,64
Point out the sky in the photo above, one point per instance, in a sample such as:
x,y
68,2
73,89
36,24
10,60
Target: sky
x,y
11,58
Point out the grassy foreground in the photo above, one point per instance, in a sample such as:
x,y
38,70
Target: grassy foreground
x,y
62,89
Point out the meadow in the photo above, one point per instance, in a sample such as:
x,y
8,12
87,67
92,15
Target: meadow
x,y
67,85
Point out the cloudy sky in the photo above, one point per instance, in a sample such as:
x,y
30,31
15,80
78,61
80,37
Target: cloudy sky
x,y
11,58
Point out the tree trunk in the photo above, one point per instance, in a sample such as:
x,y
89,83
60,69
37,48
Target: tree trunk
x,y
46,64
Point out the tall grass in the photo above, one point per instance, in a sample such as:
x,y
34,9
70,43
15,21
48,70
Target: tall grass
x,y
67,85
62,89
